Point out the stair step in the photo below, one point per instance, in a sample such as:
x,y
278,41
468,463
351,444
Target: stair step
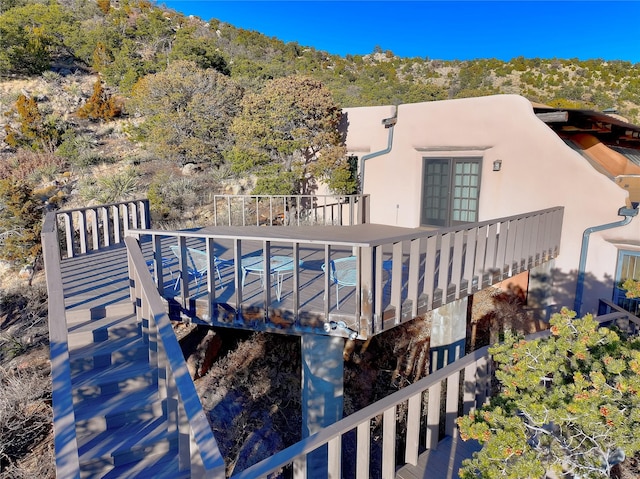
x,y
120,378
78,315
99,330
157,467
108,353
127,444
102,413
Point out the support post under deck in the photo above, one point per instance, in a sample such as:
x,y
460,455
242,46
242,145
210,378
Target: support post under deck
x,y
322,392
448,333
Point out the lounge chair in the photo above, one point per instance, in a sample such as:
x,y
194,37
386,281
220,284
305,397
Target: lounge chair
x,y
197,265
342,272
166,265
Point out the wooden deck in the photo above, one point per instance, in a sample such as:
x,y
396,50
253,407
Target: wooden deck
x,y
400,273
259,312
99,280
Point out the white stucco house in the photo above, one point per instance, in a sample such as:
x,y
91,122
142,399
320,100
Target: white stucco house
x,y
449,162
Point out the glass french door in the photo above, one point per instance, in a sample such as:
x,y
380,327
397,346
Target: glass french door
x,y
450,191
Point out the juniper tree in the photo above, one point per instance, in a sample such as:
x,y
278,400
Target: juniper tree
x,y
288,136
20,222
569,402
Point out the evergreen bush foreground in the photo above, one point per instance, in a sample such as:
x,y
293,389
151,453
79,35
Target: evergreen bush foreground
x,y
569,402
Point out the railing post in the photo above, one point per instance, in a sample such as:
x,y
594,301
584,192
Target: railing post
x,y
363,450
237,257
334,453
518,251
296,283
68,227
156,241
456,270
469,385
397,280
126,218
266,278
117,233
481,249
503,236
370,319
470,260
211,277
490,258
95,230
146,215
184,271
413,429
414,275
327,281
433,416
106,227
389,442
430,270
82,225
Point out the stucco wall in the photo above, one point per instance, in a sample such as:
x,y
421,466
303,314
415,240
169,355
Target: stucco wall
x,y
538,171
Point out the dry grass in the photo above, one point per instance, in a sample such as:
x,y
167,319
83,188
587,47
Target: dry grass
x,y
26,438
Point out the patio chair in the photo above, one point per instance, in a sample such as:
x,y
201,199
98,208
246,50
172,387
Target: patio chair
x,y
166,266
342,272
197,265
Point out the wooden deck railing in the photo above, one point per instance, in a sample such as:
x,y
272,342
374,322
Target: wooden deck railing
x,y
65,439
290,210
100,226
198,450
395,281
624,319
428,410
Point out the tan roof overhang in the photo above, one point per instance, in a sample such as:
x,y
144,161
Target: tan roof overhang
x,y
607,128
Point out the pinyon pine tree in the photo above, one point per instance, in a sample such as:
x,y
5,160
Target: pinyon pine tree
x,y
569,402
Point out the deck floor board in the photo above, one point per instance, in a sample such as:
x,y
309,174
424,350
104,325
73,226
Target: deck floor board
x,y
441,463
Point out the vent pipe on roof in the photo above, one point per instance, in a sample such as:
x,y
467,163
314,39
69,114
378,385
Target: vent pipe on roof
x,y
628,214
388,123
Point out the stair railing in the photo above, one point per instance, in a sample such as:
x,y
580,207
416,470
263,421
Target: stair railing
x,y
198,450
65,439
100,226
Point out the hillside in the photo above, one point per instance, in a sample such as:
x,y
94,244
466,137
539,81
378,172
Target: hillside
x,y
108,154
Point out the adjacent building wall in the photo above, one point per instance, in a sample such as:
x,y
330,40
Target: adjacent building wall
x,y
538,171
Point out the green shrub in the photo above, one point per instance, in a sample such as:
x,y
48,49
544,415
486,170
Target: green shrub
x,y
111,188
569,403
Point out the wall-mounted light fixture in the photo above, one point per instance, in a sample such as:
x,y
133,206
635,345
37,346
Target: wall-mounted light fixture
x,y
497,165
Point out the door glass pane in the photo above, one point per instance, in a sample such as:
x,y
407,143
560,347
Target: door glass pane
x,y
435,195
467,175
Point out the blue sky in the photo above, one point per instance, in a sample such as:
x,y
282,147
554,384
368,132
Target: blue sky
x,y
444,30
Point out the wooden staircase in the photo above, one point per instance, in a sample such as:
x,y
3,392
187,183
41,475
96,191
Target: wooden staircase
x,y
121,422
